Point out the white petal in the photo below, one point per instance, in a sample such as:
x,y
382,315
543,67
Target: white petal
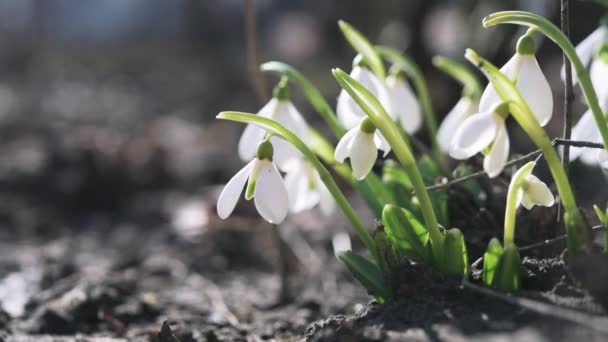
x,y
348,112
526,201
585,129
381,143
344,145
363,155
489,98
599,78
229,196
289,116
341,242
539,192
463,108
404,104
270,195
301,196
535,89
586,49
495,161
327,201
284,153
474,134
253,135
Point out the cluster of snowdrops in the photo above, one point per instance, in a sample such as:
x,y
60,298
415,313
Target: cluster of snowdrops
x,y
378,110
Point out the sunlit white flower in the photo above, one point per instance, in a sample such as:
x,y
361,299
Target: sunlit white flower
x,y
588,47
306,190
280,109
483,132
464,108
523,69
586,128
341,243
360,144
264,185
602,159
404,105
532,191
348,111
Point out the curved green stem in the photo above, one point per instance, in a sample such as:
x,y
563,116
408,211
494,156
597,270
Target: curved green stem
x,y
311,92
512,202
462,74
406,64
576,229
275,128
374,110
364,47
557,36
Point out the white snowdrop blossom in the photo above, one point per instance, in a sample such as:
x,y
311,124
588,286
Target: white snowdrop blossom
x,y
404,105
587,48
280,109
464,108
484,132
586,128
360,144
306,190
532,191
529,79
348,111
264,185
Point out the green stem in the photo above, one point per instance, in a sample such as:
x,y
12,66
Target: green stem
x,y
462,74
362,45
575,227
558,37
512,203
275,128
374,110
406,64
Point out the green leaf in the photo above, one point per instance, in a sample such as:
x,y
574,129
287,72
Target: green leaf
x,y
368,274
455,256
491,258
397,181
507,277
406,233
313,95
364,47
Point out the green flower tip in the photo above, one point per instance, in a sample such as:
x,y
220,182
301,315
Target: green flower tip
x,y
265,150
602,53
502,109
367,126
281,91
526,45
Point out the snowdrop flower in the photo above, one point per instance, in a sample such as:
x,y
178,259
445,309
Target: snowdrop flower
x,y
264,185
348,111
523,69
484,132
360,144
532,191
602,159
587,48
586,128
404,105
306,190
280,109
462,110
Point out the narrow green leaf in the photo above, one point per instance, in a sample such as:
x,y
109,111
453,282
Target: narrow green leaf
x,y
507,277
364,47
368,274
491,258
406,233
455,256
460,73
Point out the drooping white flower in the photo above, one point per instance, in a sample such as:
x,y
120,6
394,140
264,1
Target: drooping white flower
x,y
360,144
484,132
404,105
264,185
280,109
532,191
348,111
587,48
586,128
523,69
464,108
306,190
